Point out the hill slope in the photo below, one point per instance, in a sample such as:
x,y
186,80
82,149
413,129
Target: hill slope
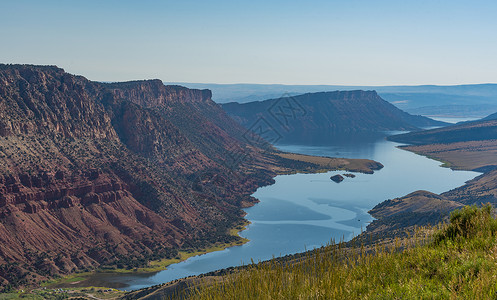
x,y
490,117
464,132
328,113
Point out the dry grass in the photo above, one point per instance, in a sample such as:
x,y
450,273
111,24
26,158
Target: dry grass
x,y
459,261
463,155
328,163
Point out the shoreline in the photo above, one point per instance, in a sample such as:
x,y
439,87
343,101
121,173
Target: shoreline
x,y
445,163
84,279
321,164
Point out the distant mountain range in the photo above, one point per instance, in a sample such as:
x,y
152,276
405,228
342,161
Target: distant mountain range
x,y
472,100
490,117
326,114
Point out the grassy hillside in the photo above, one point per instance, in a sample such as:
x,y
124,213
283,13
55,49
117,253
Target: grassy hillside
x,y
458,260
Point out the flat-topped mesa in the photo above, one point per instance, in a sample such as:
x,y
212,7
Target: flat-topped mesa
x,y
314,116
345,95
153,93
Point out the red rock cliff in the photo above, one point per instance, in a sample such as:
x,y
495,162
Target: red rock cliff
x,y
96,174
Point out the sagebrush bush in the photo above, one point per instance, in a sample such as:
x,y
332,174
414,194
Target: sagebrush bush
x,y
469,222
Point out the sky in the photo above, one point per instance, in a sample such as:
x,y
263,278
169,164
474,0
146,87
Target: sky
x,y
388,42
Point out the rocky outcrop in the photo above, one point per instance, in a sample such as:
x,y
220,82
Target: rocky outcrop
x,y
60,224
40,100
337,178
416,202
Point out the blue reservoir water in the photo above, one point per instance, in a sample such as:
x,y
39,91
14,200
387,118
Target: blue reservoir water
x,y
303,211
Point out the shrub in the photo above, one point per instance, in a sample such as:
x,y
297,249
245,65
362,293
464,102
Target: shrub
x,y
469,222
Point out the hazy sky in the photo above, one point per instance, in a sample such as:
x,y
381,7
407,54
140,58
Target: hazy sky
x,y
292,42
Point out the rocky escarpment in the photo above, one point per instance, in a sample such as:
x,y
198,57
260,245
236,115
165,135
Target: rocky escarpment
x,y
153,93
47,100
202,121
115,175
50,214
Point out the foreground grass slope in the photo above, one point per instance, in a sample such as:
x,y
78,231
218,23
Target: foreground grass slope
x,y
457,260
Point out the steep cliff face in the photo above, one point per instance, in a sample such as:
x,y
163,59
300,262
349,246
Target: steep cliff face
x,y
96,174
153,93
328,114
46,99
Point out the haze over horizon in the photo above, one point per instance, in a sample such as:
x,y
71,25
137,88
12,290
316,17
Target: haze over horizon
x,y
331,85
323,42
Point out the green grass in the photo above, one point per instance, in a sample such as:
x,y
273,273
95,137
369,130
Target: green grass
x,y
66,279
456,260
160,265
